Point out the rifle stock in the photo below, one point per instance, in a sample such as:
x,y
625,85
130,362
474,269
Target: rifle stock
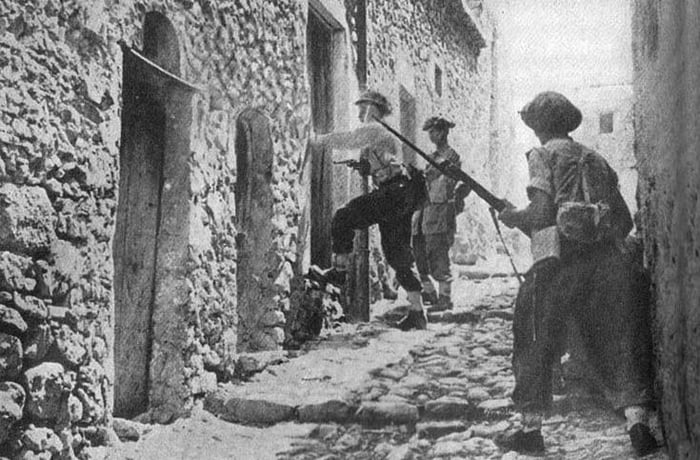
x,y
451,171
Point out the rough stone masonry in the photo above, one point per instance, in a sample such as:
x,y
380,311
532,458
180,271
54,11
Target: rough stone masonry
x,y
76,194
60,93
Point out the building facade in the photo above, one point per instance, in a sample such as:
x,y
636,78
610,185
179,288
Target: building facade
x,y
157,194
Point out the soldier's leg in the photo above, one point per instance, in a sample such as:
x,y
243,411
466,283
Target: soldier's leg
x,y
357,214
438,248
422,264
396,243
538,330
615,321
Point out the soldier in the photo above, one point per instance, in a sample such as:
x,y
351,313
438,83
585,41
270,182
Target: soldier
x,y
400,190
591,280
433,227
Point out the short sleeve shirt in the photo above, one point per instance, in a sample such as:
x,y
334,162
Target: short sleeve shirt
x,y
538,162
555,169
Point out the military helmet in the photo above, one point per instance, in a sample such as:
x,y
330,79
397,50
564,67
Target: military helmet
x,y
437,123
551,112
376,98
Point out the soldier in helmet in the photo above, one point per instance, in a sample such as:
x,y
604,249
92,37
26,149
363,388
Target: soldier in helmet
x,y
434,225
591,280
399,190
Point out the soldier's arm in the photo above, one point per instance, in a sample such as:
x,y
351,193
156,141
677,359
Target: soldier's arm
x,y
358,138
538,214
541,211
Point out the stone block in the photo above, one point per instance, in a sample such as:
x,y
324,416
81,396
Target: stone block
x,y
386,413
10,356
93,406
402,452
71,411
433,430
485,430
203,383
46,384
446,408
127,430
478,394
91,381
27,219
11,321
273,318
493,405
38,342
327,411
70,345
14,273
12,399
31,307
58,313
251,363
477,446
67,264
41,439
446,449
253,411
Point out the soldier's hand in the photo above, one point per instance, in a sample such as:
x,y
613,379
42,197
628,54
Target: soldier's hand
x,y
509,215
363,167
462,191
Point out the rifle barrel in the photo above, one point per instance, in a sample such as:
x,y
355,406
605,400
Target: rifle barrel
x,y
453,172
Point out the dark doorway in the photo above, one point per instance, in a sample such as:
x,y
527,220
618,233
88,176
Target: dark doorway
x,y
319,34
155,129
407,111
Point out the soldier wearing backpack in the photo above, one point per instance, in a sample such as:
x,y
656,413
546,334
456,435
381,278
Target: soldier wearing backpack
x,y
576,206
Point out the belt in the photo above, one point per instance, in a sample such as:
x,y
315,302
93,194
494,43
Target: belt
x,y
400,176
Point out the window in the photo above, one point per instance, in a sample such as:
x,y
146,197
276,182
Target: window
x,y
607,122
438,80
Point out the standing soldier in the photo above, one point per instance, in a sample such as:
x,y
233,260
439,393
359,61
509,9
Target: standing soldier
x,y
433,227
574,193
400,190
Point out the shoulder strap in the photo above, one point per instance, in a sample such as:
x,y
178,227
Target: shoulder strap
x,y
584,181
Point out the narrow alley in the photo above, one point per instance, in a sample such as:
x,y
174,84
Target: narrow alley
x,y
249,229
367,391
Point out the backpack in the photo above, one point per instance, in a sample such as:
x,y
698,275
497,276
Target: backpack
x,y
584,221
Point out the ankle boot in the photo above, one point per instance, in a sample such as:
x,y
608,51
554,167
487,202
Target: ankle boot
x,y
443,303
523,442
428,295
328,276
335,275
416,317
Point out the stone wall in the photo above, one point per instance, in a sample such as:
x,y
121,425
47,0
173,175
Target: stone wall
x,y
406,42
61,73
667,120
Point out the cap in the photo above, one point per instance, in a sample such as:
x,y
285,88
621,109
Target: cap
x,y
437,123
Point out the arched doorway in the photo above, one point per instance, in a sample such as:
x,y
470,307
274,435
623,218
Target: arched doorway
x,y
254,213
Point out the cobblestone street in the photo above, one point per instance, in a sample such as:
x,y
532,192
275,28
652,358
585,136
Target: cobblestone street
x,y
370,392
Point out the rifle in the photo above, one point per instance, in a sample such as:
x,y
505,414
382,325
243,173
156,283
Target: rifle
x,y
452,171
